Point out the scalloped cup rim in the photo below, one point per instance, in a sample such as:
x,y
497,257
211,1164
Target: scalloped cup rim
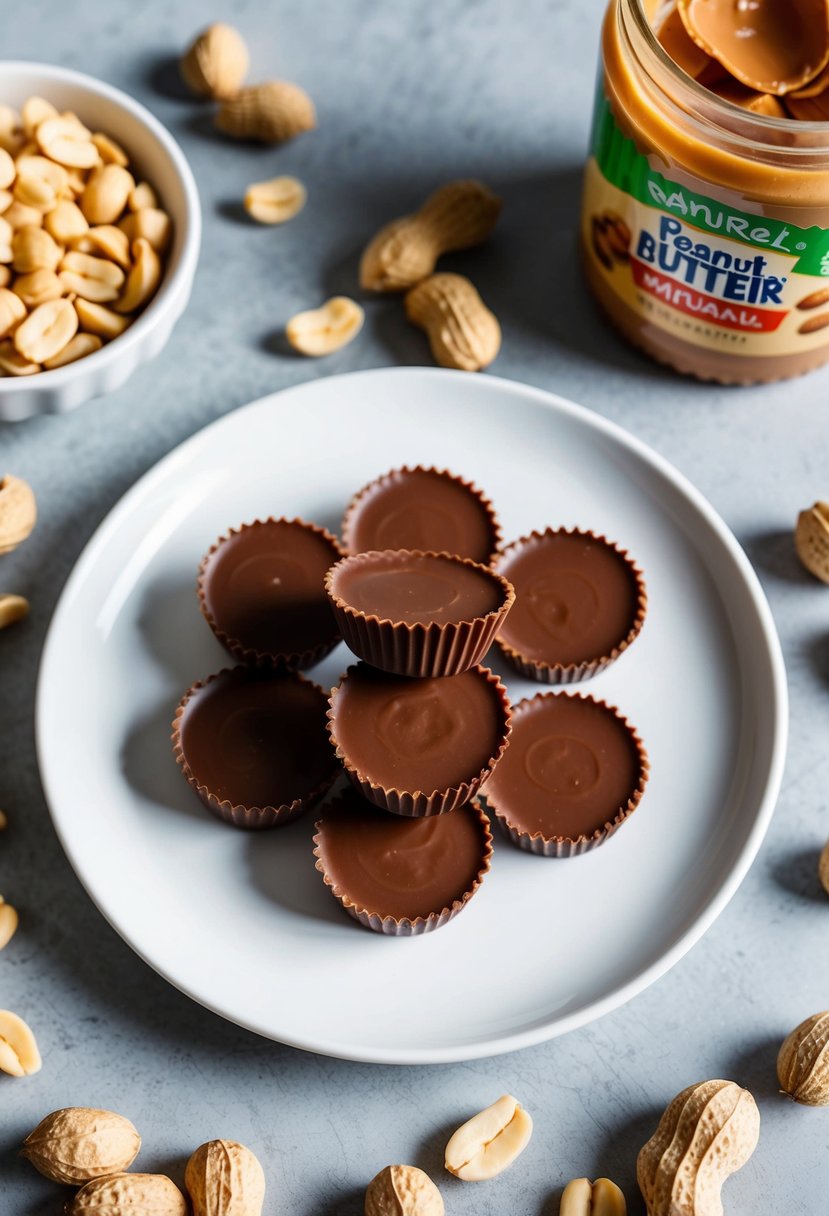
x,y
573,672
227,810
465,789
486,503
598,835
443,915
412,626
279,660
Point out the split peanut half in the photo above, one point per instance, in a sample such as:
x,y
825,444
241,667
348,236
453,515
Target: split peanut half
x,y
91,278
489,1142
8,923
275,201
321,331
67,142
46,331
18,512
581,1197
13,608
19,1056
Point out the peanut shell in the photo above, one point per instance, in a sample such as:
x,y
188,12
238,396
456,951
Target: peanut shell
x,y
811,540
128,1195
706,1134
216,63
224,1178
459,215
462,331
77,1144
270,113
803,1062
403,1190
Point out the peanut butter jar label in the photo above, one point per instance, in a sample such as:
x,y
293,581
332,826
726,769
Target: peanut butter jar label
x,y
696,267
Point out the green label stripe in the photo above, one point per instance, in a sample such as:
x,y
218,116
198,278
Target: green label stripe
x,y
627,169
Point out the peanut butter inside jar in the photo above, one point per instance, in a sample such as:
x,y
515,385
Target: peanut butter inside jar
x,y
705,219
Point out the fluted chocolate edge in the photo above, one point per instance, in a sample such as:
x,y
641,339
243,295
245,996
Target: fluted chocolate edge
x,y
251,818
405,926
564,846
414,649
287,662
489,510
419,804
572,673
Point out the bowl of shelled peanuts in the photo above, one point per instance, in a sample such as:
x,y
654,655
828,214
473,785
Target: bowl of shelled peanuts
x,y
99,237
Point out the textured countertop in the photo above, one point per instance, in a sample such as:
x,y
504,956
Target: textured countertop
x,y
409,95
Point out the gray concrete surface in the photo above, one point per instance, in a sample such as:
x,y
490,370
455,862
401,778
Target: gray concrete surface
x,y
409,94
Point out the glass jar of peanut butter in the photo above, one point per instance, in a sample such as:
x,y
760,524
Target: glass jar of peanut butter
x,y
705,222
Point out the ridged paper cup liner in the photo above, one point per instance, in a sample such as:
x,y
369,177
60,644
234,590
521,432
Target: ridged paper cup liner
x,y
418,650
238,814
359,500
392,926
565,846
420,803
281,661
571,673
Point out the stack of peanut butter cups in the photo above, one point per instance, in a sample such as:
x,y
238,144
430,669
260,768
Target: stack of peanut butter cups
x,y
418,724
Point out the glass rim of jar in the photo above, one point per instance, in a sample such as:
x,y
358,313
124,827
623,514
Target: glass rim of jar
x,y
751,132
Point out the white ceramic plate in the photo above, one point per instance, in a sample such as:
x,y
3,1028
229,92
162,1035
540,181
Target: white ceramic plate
x,y
241,922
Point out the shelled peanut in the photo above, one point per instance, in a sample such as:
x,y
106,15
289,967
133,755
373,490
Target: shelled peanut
x,y
81,242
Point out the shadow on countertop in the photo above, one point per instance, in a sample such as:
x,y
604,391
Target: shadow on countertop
x,y
755,1067
797,872
772,551
163,75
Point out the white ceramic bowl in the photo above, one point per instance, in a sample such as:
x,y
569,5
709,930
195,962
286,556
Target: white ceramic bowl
x,y
155,157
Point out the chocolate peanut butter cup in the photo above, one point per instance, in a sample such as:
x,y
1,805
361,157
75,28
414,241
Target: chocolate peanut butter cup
x,y
419,747
417,614
261,591
252,743
430,510
401,876
579,603
574,772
